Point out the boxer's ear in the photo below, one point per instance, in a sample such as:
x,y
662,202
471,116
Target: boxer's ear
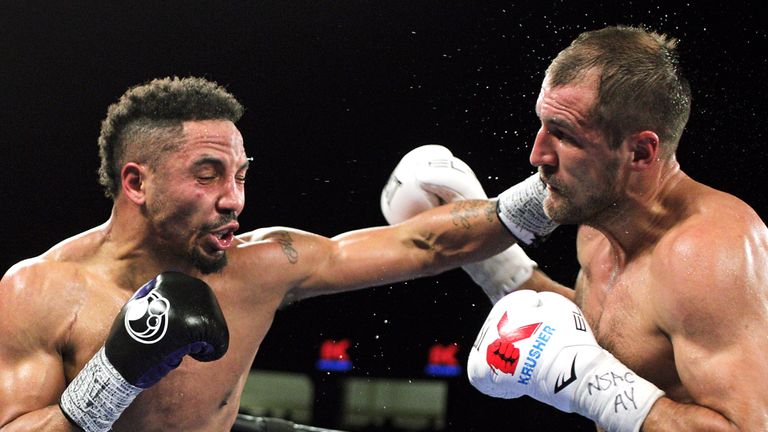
x,y
644,147
132,178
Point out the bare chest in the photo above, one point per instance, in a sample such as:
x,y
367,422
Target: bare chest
x,y
618,304
196,396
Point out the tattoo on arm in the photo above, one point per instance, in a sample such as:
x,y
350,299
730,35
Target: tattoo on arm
x,y
463,212
425,243
286,242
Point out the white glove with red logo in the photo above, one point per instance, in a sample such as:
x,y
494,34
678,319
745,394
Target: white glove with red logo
x,y
429,176
539,345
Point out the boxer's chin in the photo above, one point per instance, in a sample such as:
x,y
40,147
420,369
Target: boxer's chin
x,y
554,208
208,262
561,210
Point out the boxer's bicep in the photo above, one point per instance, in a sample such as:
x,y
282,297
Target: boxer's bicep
x,y
31,383
363,258
31,364
715,315
722,369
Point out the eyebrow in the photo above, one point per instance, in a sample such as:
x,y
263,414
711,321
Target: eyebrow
x,y
206,160
564,124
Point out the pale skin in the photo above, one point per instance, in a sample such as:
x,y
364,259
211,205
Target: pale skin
x,y
58,308
674,274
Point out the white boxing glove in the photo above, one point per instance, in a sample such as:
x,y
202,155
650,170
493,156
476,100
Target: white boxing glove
x,y
429,176
540,345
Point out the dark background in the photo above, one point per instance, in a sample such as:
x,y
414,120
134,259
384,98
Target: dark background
x,y
336,92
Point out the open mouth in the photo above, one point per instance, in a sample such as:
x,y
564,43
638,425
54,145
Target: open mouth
x,y
222,238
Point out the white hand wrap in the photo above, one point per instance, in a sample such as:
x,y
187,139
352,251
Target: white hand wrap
x,y
429,176
521,209
97,396
503,273
539,344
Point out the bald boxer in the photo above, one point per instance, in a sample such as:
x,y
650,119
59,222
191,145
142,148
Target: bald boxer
x,y
87,342
667,327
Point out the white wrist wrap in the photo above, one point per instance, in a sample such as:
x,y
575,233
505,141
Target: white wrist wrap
x,y
98,395
604,390
501,274
521,210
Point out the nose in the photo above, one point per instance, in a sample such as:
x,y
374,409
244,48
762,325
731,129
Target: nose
x,y
543,151
232,198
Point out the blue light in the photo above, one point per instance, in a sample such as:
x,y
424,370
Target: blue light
x,y
438,370
333,365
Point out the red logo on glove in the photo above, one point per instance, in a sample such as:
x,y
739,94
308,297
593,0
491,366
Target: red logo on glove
x,y
502,353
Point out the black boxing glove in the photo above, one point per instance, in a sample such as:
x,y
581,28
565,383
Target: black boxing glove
x,y
171,316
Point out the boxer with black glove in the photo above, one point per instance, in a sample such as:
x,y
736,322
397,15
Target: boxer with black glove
x,y
171,316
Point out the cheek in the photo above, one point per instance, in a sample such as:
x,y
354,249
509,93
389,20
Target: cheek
x,y
577,168
180,207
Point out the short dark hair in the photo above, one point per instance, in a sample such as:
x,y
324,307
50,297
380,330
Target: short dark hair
x,y
641,85
146,122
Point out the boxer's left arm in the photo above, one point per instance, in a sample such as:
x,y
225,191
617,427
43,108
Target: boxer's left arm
x,y
712,302
432,242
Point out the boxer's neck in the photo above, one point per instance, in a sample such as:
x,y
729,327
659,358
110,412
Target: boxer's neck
x,y
136,255
646,212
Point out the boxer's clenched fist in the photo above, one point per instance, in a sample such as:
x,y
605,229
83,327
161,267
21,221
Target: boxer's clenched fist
x,y
426,177
539,345
431,175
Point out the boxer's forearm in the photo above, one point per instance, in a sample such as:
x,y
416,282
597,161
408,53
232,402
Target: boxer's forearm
x,y
459,233
437,240
668,415
48,419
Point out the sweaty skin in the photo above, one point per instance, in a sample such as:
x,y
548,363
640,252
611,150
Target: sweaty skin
x,y
674,274
57,308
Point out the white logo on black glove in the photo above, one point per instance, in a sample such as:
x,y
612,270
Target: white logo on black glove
x,y
146,319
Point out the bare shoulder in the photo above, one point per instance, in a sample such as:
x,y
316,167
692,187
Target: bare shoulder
x,y
720,234
280,257
39,301
292,245
43,294
714,257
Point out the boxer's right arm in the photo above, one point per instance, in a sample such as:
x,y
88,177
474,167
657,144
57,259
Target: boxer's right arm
x,y
31,364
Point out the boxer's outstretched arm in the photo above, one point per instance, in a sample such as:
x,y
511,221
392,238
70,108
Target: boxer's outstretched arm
x,y
432,242
712,301
31,366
